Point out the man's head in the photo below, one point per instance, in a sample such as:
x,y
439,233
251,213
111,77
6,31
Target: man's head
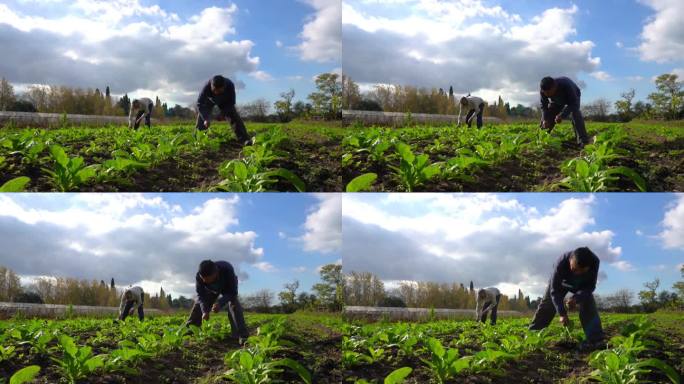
x,y
208,271
548,86
581,260
464,101
136,104
218,84
481,294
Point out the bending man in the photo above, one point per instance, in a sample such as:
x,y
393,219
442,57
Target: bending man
x,y
575,272
216,279
560,98
471,104
132,297
140,107
220,92
487,300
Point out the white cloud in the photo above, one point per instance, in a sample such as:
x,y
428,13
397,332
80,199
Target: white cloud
x,y
130,237
323,225
321,35
623,266
619,44
468,44
601,76
663,35
635,78
300,269
261,76
672,235
492,240
282,235
279,44
167,54
265,266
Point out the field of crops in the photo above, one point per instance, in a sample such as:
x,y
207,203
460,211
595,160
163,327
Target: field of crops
x,y
299,156
291,348
516,157
641,350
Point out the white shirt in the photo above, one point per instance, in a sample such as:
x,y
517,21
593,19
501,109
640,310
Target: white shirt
x,y
473,104
144,106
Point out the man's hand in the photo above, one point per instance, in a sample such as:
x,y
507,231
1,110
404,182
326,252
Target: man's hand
x,y
205,316
559,119
564,320
206,124
215,308
571,303
546,124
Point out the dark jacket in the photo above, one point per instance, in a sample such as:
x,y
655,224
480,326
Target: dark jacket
x,y
568,96
564,281
207,100
226,286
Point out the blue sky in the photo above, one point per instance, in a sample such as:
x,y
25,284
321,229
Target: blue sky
x,y
512,240
628,42
159,239
170,48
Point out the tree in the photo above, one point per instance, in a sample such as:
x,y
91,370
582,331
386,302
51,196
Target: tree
x,y
158,109
257,110
289,295
472,287
391,301
620,301
23,106
125,104
668,99
648,297
327,101
624,107
351,96
28,297
598,110
331,291
7,97
679,288
260,301
368,105
284,105
10,285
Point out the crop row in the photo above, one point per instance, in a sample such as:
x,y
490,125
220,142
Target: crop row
x,y
407,155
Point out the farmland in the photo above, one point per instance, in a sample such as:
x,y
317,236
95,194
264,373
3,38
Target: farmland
x,y
635,156
299,156
641,349
287,348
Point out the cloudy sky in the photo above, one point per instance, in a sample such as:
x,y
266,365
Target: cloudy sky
x,y
493,47
158,240
512,240
170,48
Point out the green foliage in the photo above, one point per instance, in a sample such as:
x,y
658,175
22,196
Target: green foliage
x,y
77,362
67,173
361,183
413,171
18,184
25,375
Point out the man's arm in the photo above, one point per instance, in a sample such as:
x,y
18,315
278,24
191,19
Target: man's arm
x,y
557,292
460,110
203,101
201,296
544,102
123,303
478,304
130,117
223,300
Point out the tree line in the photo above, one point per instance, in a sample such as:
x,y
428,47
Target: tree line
x,y
324,103
327,294
666,103
366,289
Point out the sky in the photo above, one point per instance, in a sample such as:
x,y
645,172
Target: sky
x,y
505,47
158,240
512,241
149,48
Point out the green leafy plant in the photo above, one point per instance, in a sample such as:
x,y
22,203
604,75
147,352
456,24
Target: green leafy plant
x,y
361,183
67,173
77,362
18,184
413,171
444,363
25,375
